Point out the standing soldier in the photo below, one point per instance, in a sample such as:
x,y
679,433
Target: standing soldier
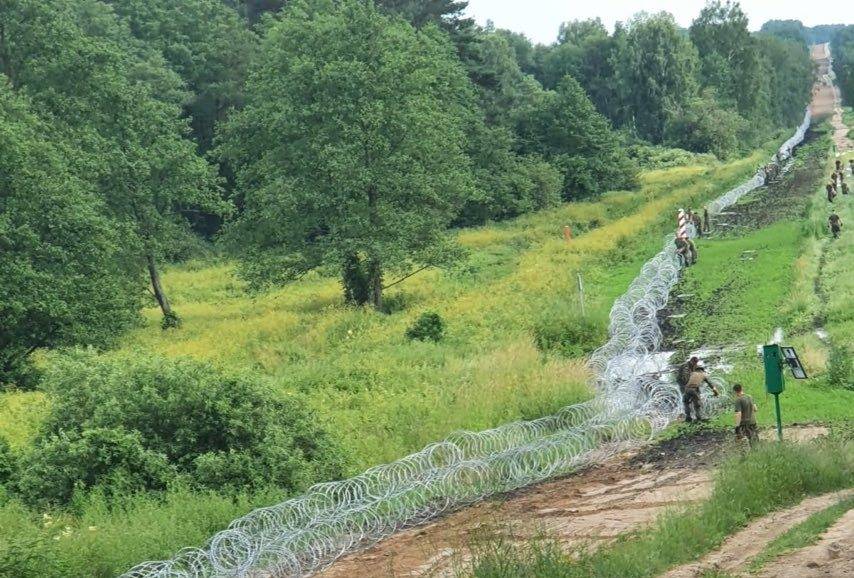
x,y
831,192
683,373
845,188
838,165
835,224
706,219
691,398
745,416
683,248
698,223
851,166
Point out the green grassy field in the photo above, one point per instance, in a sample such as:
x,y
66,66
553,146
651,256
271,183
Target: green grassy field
x,y
778,275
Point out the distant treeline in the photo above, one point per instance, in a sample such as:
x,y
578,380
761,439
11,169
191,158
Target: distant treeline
x,y
347,135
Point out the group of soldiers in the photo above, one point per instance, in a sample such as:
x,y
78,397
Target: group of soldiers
x,y
691,376
837,183
685,247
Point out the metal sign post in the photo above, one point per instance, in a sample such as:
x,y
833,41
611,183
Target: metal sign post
x,y
775,358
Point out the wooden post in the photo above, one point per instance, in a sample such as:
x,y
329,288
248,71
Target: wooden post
x,y
581,295
567,233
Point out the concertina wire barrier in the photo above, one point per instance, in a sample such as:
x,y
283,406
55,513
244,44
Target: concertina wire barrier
x,y
634,400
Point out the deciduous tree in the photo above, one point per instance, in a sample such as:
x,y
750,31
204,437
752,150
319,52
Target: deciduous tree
x,y
350,151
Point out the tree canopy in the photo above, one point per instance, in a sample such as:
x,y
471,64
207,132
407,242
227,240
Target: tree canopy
x,y
350,150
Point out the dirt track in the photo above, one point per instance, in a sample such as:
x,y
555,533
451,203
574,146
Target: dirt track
x,y
740,548
587,509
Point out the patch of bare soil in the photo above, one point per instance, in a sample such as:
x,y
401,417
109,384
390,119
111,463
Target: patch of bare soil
x,y
741,547
587,509
831,556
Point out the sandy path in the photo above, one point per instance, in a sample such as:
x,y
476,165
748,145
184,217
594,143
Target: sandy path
x,y
741,547
831,556
589,508
826,99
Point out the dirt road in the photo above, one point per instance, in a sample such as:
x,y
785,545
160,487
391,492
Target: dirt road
x,y
737,550
826,99
586,509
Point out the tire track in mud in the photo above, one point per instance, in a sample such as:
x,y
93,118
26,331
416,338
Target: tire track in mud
x,y
737,550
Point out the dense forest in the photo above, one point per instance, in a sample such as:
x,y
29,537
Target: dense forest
x,y
348,138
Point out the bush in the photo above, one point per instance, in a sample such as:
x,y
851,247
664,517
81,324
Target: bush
x,y
130,424
839,370
8,463
562,329
651,157
114,459
704,127
428,327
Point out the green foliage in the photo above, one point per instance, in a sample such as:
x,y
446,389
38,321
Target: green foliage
x,y
650,157
506,184
565,128
206,43
840,372
790,71
746,486
104,535
702,126
560,328
729,60
842,49
62,283
387,134
655,66
129,424
8,462
115,110
170,320
428,327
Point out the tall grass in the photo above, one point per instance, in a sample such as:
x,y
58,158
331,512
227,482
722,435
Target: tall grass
x,y
98,538
747,486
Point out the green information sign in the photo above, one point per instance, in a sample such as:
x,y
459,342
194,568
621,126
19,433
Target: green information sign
x,y
773,357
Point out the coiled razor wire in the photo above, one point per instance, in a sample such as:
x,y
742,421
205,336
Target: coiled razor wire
x,y
633,402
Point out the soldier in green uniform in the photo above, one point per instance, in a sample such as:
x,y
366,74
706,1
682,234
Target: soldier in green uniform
x,y
745,416
835,224
851,166
691,398
683,373
684,247
831,191
697,221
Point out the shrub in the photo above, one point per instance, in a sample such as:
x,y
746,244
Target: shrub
x,y
113,459
428,327
561,329
704,127
839,368
133,424
7,461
